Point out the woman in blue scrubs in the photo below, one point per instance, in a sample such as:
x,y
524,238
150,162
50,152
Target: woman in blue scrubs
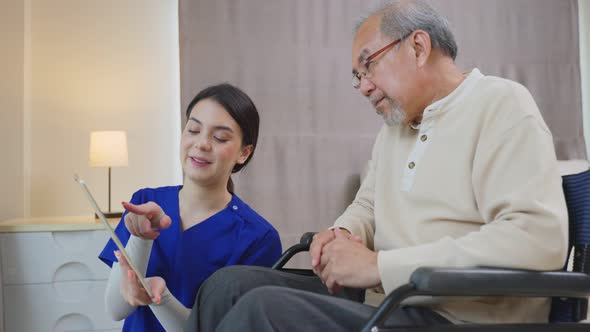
x,y
179,235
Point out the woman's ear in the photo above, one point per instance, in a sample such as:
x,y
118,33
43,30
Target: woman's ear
x,y
245,152
422,46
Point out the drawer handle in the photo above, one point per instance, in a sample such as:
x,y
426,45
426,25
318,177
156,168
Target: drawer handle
x,y
73,322
72,282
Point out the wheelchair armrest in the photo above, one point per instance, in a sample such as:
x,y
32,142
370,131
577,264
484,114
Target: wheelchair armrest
x,y
482,282
306,239
303,245
499,282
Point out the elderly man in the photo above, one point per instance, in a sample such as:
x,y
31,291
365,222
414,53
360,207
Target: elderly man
x,y
463,174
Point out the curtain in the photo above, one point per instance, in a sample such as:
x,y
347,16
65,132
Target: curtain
x,y
293,59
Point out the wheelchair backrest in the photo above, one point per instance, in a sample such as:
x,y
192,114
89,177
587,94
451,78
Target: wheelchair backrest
x,y
576,188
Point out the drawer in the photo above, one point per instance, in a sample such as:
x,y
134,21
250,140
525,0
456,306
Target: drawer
x,y
46,257
70,306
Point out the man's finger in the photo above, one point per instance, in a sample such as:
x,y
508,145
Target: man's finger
x,y
330,280
336,288
313,253
326,253
327,277
329,285
325,257
317,244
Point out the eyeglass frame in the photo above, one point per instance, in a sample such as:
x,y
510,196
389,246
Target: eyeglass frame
x,y
359,75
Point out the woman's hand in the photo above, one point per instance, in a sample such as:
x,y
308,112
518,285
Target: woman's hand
x,y
145,220
131,289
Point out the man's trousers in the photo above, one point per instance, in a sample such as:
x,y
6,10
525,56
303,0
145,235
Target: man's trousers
x,y
250,298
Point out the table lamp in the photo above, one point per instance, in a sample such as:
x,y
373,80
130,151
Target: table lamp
x,y
108,149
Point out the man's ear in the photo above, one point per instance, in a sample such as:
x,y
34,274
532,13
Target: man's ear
x,y
422,46
245,153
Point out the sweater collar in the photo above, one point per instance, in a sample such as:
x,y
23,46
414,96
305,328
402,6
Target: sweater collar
x,y
456,96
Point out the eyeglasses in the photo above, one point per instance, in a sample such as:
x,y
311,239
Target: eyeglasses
x,y
358,75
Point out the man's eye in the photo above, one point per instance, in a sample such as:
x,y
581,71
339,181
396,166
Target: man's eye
x,y
368,64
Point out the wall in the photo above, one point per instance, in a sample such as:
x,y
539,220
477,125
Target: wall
x,y
100,65
11,108
584,19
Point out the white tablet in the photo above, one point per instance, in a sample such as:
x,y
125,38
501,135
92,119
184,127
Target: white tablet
x,y
114,236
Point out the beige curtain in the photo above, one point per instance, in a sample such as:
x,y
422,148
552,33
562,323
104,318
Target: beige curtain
x,y
293,59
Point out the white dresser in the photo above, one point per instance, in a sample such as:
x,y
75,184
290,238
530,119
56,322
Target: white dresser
x,y
51,277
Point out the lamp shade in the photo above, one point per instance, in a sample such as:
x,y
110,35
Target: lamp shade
x,y
108,149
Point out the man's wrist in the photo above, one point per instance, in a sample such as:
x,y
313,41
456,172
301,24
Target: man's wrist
x,y
341,228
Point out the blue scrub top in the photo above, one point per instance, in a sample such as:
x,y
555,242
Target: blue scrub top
x,y
236,235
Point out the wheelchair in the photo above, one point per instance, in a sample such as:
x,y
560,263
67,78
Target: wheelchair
x,y
569,290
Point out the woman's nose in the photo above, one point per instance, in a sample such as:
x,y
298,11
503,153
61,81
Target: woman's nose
x,y
203,143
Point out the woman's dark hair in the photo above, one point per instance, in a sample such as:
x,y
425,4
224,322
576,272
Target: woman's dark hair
x,y
242,110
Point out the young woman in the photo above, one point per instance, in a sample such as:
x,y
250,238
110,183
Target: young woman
x,y
178,236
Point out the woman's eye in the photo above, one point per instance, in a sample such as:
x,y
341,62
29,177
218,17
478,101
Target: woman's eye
x,y
219,139
193,131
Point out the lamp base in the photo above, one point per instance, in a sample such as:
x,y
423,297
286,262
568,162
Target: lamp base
x,y
110,214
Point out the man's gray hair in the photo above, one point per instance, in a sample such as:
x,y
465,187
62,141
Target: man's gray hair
x,y
401,18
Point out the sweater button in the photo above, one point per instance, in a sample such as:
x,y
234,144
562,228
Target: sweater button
x,y
411,165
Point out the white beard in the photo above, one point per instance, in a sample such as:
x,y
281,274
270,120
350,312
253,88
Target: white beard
x,y
395,116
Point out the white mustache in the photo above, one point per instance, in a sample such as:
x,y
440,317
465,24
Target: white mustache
x,y
375,98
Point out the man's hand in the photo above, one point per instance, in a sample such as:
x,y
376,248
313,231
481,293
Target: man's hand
x,y
319,241
131,289
347,262
145,220
315,249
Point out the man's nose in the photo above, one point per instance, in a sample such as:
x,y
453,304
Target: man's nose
x,y
367,87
